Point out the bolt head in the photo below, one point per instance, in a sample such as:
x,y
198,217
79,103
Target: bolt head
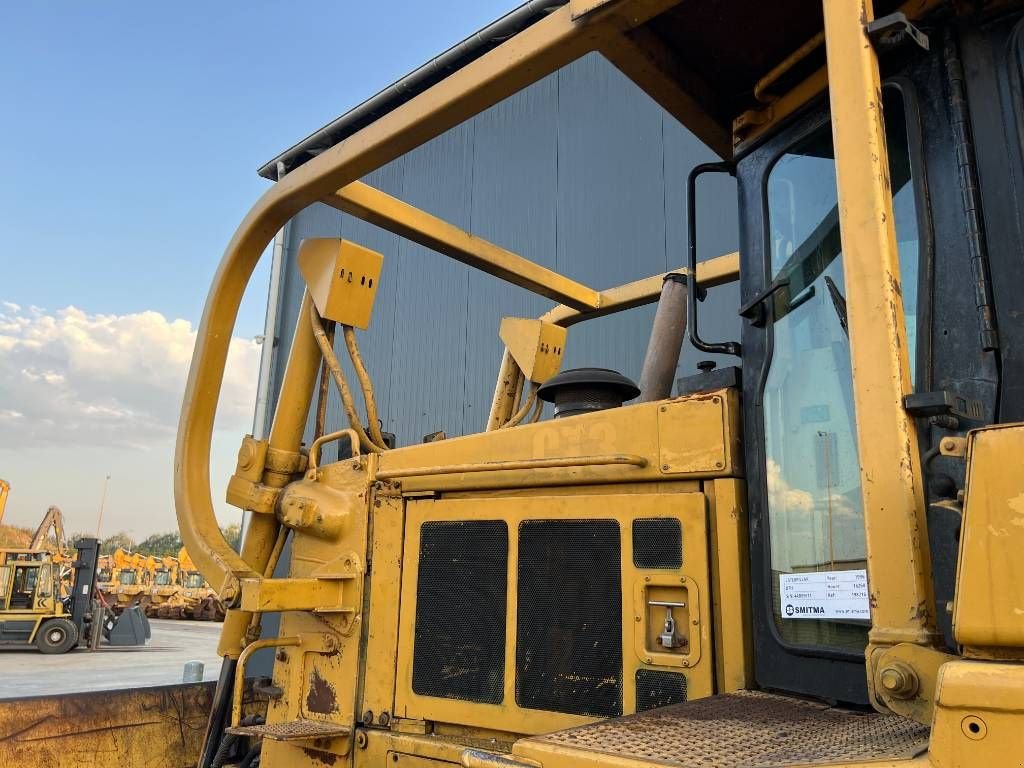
x,y
899,680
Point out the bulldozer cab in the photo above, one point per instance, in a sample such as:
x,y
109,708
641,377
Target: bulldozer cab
x,y
789,561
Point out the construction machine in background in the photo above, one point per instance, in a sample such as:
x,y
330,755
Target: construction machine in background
x,y
809,559
130,578
35,611
5,490
163,587
53,521
166,599
202,599
32,612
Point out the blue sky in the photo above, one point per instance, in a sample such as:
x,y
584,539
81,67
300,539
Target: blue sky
x,y
133,131
132,134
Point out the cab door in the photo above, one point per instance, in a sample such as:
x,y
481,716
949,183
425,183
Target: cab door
x,y
811,610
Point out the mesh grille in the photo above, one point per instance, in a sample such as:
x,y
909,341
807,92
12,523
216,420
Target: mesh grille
x,y
655,688
459,650
750,729
657,543
569,628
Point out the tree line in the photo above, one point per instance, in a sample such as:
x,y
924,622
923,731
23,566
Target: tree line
x,y
158,544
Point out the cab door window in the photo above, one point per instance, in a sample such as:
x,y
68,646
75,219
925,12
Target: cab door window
x,y
816,518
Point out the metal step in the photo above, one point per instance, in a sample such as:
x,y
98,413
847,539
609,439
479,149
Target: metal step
x,y
750,729
295,730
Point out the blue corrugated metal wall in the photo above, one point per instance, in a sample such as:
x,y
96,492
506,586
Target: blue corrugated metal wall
x,y
582,173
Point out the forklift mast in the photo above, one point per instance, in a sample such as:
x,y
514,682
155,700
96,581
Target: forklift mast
x,y
84,565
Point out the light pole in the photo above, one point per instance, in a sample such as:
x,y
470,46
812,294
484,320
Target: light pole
x,y
103,501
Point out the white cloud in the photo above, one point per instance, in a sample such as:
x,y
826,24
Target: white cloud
x,y
73,378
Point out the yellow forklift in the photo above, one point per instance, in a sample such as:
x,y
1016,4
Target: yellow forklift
x,y
32,611
808,559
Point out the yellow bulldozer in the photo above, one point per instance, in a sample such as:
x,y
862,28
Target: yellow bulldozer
x,y
808,559
166,598
203,602
125,580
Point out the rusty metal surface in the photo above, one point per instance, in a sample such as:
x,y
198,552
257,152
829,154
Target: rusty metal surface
x,y
296,730
748,729
160,726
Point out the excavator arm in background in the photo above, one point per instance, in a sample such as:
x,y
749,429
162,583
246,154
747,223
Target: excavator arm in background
x,y
52,520
5,488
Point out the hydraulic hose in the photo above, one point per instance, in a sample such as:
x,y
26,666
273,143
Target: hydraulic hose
x,y
339,378
522,413
367,385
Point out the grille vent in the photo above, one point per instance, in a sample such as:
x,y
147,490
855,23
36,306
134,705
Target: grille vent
x,y
657,542
655,688
569,633
459,650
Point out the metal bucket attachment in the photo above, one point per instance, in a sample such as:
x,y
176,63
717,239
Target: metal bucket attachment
x,y
130,628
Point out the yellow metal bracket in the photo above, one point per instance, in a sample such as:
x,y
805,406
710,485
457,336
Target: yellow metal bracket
x,y
335,588
536,346
260,473
906,678
343,278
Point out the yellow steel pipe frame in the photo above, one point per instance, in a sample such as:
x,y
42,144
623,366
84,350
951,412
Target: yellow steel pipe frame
x,y
394,215
713,272
717,271
899,568
523,59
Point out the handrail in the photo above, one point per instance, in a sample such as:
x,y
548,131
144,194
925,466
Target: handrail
x,y
314,449
508,466
243,658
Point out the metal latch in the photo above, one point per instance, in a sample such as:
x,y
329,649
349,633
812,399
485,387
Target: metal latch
x,y
893,31
667,638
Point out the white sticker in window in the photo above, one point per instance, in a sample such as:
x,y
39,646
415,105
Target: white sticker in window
x,y
825,595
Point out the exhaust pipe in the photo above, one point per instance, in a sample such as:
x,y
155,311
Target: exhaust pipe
x,y
666,342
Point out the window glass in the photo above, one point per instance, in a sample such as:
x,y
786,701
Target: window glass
x,y
45,588
816,518
5,583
